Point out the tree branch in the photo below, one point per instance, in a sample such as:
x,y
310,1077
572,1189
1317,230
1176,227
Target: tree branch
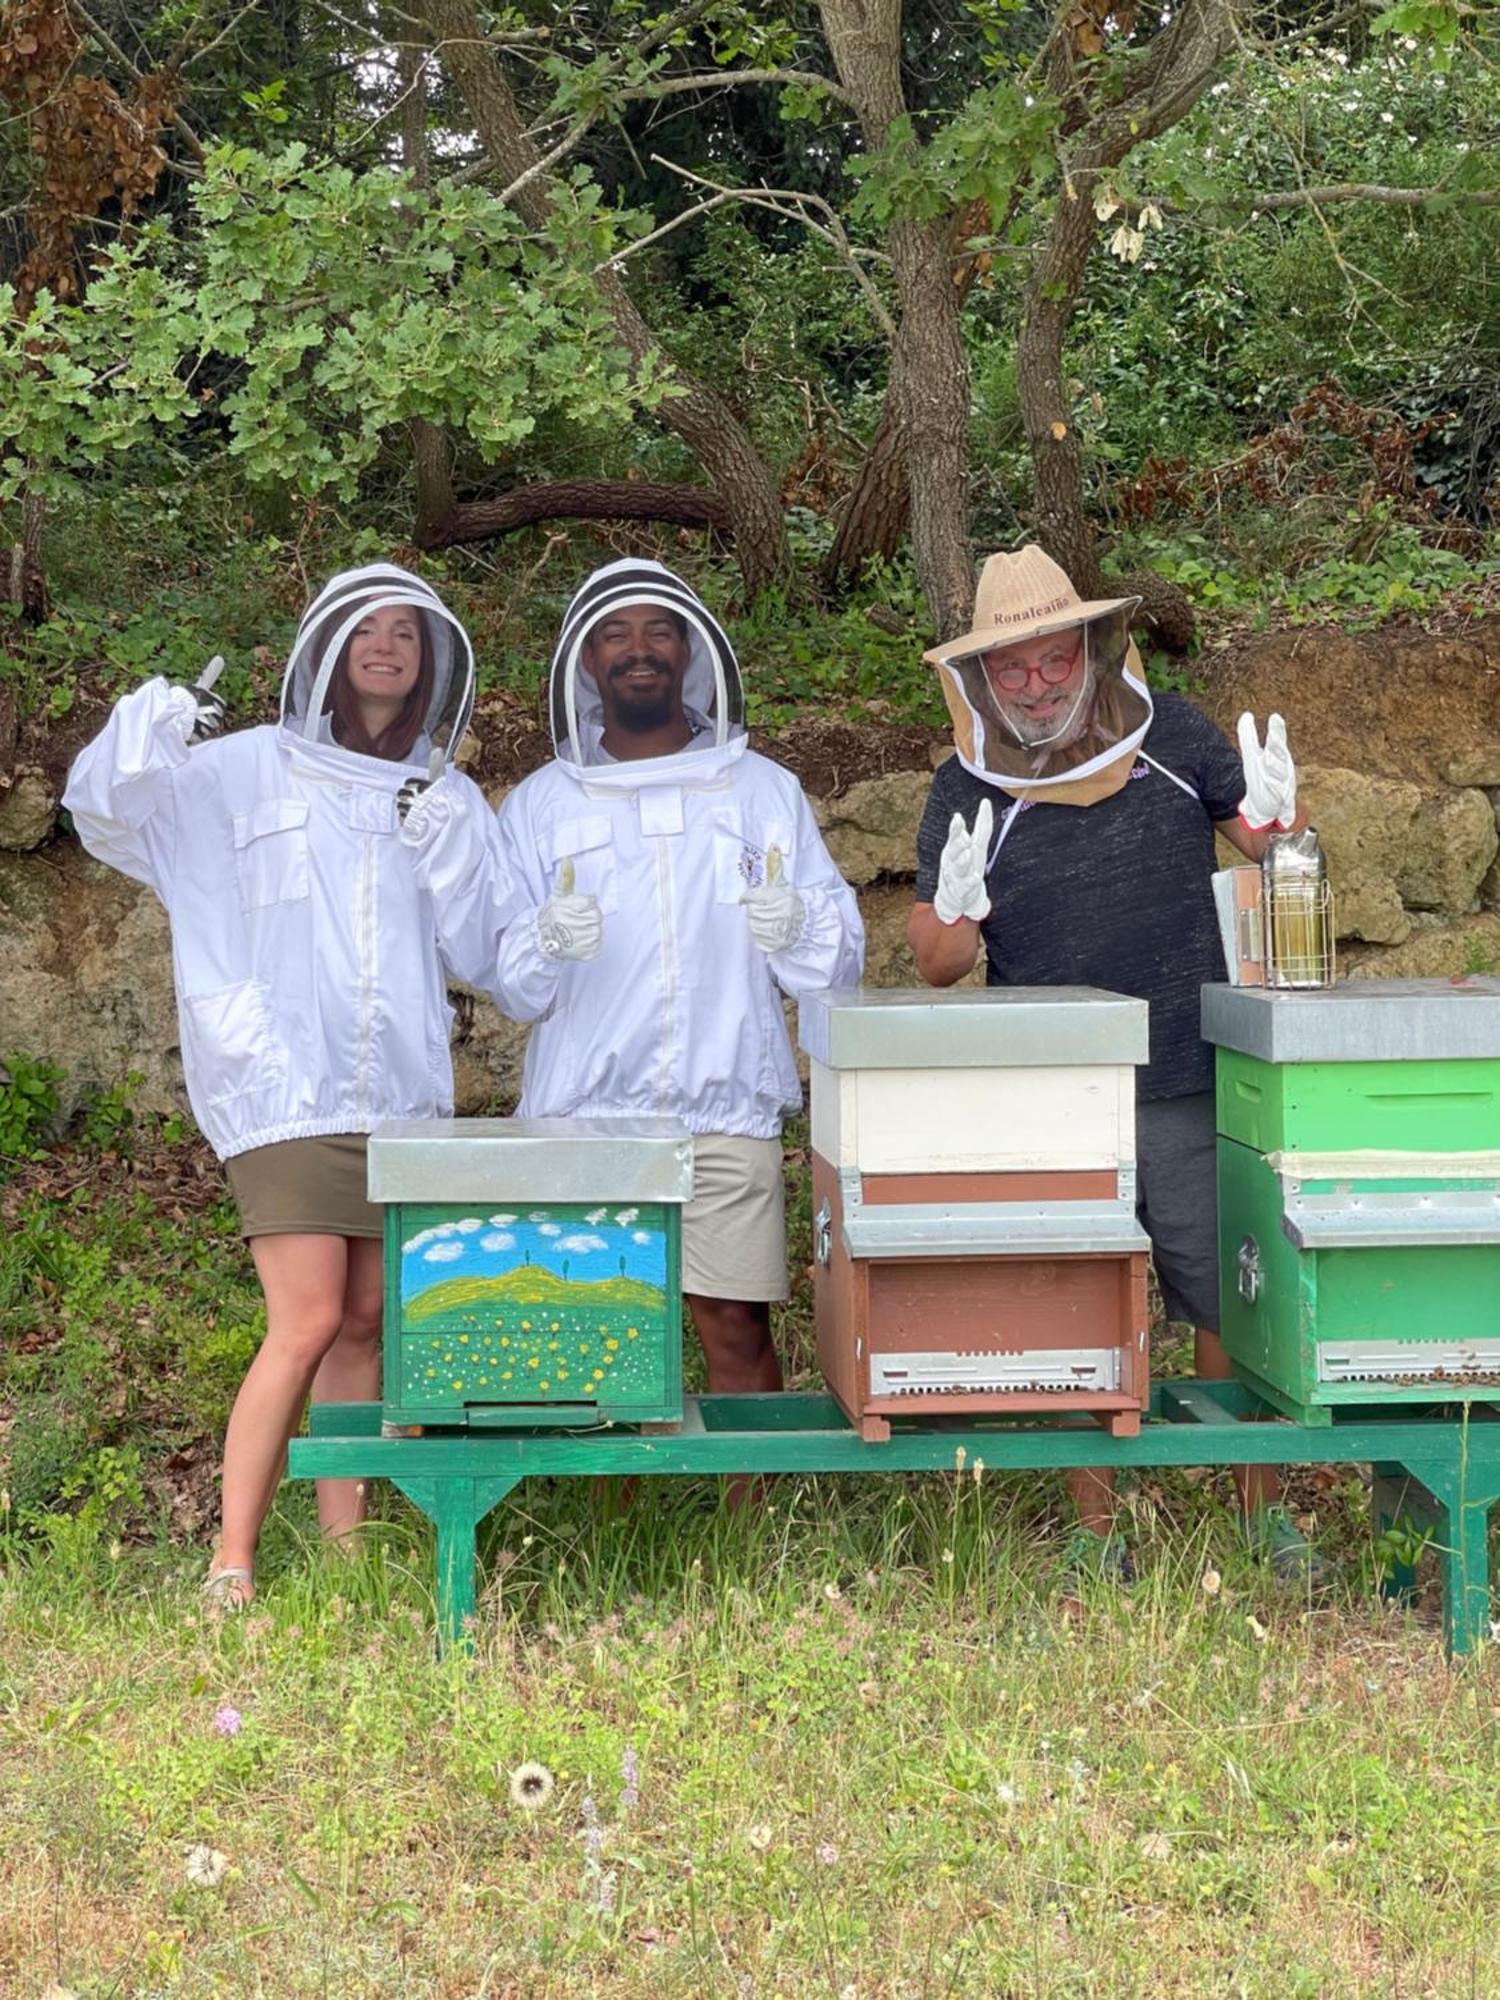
x,y
1270,201
673,86
793,206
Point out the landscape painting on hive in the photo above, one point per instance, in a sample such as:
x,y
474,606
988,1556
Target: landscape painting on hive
x,y
524,1305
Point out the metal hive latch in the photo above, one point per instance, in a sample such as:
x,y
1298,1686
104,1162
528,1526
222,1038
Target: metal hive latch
x,y
823,1233
1248,1265
975,1371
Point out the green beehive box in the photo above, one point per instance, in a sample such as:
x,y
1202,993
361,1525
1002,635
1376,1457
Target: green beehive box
x,y
532,1270
1359,1191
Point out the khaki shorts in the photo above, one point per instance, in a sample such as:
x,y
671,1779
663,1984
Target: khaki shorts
x,y
734,1228
304,1187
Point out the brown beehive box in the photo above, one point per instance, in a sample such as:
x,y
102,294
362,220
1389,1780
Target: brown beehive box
x,y
976,1247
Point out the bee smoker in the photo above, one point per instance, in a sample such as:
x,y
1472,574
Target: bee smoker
x,y
1297,911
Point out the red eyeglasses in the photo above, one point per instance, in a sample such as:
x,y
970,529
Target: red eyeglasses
x,y
1052,670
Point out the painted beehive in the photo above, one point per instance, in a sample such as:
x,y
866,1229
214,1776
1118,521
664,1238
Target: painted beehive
x,y
532,1269
975,1240
1359,1191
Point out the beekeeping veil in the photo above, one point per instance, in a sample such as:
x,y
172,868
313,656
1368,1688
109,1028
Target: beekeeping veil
x,y
307,692
1086,750
713,697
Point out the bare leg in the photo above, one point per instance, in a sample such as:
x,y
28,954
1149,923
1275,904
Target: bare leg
x,y
303,1278
1257,1485
736,1337
741,1358
1092,1491
350,1373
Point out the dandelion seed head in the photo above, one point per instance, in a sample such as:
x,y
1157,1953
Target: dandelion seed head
x,y
206,1867
531,1786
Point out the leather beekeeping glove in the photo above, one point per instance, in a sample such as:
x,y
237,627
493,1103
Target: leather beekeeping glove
x,y
960,889
569,925
777,914
1270,775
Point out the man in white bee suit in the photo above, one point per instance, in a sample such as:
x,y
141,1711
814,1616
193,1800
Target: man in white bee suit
x,y
1072,835
677,885
311,997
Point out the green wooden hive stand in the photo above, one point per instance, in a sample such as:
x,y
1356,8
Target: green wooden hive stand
x,y
515,1278
1441,1470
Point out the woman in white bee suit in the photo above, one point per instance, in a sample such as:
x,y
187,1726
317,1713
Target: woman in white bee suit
x,y
310,981
1072,836
676,885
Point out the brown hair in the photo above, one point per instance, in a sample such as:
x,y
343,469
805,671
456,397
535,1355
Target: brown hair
x,y
394,742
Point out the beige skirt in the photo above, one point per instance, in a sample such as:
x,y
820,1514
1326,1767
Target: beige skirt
x,y
304,1187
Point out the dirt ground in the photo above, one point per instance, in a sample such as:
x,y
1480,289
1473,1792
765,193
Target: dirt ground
x,y
1398,703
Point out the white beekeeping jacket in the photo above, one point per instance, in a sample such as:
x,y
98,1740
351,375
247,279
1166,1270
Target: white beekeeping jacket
x,y
680,1014
310,988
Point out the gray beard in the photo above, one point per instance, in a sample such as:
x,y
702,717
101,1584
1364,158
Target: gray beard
x,y
1033,734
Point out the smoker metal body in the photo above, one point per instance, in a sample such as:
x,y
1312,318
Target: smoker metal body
x,y
1359,1191
976,1247
532,1270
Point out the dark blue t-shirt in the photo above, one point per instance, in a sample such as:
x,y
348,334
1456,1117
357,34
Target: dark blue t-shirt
x,y
1116,894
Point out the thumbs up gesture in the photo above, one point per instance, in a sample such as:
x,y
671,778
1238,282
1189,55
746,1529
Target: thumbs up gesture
x,y
777,914
960,890
1270,775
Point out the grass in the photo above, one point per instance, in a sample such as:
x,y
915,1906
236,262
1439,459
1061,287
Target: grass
x,y
878,1754
862,1741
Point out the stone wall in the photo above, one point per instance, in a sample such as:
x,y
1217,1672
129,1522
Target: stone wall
x,y
1412,831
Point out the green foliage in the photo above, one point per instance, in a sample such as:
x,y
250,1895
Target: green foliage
x,y
1003,134
1401,573
28,1108
343,304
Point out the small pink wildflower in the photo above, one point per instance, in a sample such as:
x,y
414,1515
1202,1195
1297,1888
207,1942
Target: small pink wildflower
x,y
228,1721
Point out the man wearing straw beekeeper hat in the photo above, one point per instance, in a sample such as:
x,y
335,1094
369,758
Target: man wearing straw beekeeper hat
x,y
1073,834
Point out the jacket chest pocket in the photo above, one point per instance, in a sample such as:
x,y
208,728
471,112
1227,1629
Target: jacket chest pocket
x,y
270,853
581,857
748,856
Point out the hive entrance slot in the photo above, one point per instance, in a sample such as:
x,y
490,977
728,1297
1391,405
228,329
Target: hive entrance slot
x,y
1473,1363
1049,1370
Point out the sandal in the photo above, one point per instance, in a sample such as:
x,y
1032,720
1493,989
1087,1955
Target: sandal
x,y
229,1589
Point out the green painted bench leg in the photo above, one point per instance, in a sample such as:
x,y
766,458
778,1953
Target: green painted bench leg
x,y
456,1507
1398,1498
1463,1538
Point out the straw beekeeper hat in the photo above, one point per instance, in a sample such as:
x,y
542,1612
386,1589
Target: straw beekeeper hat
x,y
1020,596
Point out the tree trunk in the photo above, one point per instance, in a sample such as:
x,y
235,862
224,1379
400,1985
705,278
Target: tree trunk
x,y
930,382
873,518
1162,89
1062,524
28,582
577,500
698,415
929,389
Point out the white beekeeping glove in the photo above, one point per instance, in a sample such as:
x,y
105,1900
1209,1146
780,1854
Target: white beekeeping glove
x,y
211,707
413,789
1270,775
569,925
960,889
777,913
